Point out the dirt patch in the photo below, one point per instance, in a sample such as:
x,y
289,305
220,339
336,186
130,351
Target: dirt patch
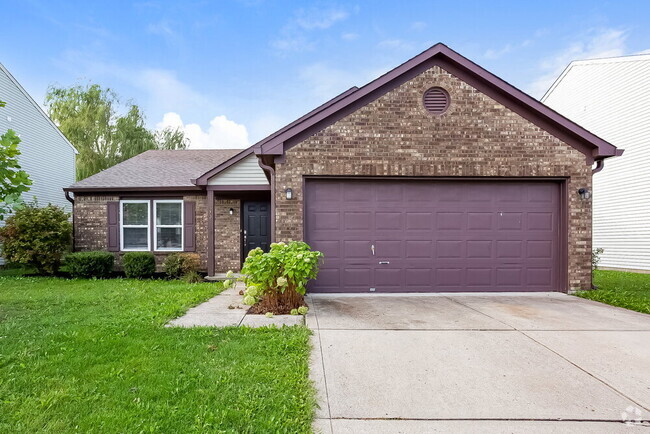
x,y
280,304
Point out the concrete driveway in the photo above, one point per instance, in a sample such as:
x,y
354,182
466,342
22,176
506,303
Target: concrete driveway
x,y
468,363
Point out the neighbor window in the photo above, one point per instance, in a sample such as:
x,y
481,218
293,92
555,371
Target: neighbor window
x,y
134,224
168,231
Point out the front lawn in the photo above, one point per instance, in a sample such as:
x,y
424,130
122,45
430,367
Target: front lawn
x,y
93,356
622,289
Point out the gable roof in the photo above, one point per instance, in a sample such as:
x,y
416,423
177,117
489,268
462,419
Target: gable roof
x,y
35,104
203,179
528,107
156,170
611,64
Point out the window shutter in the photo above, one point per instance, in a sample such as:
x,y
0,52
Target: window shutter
x,y
189,226
113,226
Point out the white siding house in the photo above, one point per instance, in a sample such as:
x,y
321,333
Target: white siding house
x,y
611,98
46,155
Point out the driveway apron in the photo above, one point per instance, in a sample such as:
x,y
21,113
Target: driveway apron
x,y
545,362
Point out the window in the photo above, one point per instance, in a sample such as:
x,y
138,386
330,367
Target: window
x,y
134,224
168,217
138,224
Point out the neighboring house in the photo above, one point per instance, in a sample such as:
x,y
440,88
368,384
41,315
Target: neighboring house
x,y
437,176
46,155
611,98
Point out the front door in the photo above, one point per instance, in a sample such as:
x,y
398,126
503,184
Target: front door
x,y
257,225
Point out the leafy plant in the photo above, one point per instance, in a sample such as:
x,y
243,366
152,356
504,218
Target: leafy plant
x,y
139,265
90,264
177,265
193,277
595,257
13,180
37,237
278,279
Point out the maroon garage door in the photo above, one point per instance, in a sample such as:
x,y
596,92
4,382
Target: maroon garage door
x,y
431,236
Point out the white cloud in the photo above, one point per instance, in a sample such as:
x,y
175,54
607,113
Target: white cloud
x,y
221,134
595,44
315,18
396,44
418,25
644,51
164,90
349,36
295,35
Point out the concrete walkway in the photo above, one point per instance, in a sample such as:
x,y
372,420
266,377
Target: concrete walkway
x,y
226,309
478,363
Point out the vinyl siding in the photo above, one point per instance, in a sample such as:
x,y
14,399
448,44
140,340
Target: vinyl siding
x,y
46,155
611,98
245,172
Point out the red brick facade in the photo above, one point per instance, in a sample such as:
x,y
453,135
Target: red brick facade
x,y
477,136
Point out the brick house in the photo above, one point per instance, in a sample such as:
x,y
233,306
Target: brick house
x,y
437,176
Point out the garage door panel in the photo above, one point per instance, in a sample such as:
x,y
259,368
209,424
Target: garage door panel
x,y
434,235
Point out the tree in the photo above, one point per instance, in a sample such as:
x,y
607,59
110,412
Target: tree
x,y
88,116
13,181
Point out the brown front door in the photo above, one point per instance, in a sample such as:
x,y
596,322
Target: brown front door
x,y
434,236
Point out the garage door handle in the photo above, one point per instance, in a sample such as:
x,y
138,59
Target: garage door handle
x,y
384,262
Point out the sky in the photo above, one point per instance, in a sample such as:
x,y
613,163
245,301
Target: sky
x,y
231,72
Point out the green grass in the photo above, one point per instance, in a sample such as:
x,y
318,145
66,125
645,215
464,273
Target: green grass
x,y
622,289
93,356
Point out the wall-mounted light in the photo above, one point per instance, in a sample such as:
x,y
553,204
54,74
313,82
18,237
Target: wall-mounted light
x,y
289,193
584,193
231,211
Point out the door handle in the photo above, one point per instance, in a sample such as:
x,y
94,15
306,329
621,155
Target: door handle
x,y
384,262
372,248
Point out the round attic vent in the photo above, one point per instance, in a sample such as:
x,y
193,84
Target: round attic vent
x,y
436,100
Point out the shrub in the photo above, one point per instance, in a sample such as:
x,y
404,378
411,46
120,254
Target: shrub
x,y
139,265
177,265
192,277
90,264
595,257
278,279
37,237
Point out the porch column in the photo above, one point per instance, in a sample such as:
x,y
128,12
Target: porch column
x,y
210,205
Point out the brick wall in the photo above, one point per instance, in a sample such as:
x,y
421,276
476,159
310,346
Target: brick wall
x,y
395,136
90,225
227,243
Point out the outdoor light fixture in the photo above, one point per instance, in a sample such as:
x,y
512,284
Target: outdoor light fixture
x,y
584,193
289,193
231,211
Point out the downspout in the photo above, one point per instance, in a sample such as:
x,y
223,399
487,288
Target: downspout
x,y
271,171
74,229
599,166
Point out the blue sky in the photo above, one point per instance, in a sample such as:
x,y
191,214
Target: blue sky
x,y
231,72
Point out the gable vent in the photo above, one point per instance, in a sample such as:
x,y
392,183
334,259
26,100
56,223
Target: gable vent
x,y
436,100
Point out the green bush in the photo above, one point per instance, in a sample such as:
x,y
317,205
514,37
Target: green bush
x,y
139,265
37,237
193,277
90,264
177,265
281,274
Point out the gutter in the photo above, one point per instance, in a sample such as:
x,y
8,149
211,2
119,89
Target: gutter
x,y
67,196
271,172
600,164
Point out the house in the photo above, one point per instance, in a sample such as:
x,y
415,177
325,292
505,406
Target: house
x,y
611,97
436,176
46,155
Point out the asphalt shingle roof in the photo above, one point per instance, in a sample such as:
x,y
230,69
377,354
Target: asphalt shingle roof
x,y
158,168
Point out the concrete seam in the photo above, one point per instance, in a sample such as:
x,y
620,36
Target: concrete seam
x,y
320,345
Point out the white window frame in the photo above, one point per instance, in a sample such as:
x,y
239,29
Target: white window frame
x,y
156,226
122,225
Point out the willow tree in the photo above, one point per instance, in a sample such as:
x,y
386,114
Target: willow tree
x,y
90,118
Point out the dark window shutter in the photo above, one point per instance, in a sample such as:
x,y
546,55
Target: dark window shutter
x,y
189,226
113,226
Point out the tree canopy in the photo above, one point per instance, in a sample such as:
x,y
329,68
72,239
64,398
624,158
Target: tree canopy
x,y
90,118
13,180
